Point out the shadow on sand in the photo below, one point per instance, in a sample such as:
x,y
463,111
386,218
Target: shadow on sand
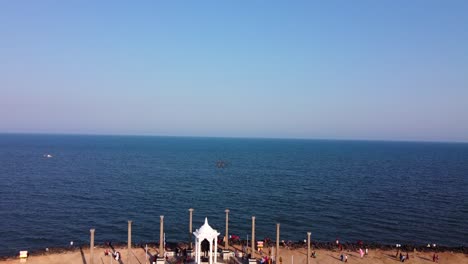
x,y
83,256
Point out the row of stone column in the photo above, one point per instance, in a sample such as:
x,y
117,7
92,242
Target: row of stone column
x,y
129,242
277,241
226,242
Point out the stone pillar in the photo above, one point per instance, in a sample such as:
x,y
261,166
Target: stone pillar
x,y
91,246
253,236
308,247
161,237
210,256
198,250
215,250
226,243
190,227
129,242
277,242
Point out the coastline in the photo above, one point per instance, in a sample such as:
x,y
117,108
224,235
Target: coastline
x,y
290,255
290,246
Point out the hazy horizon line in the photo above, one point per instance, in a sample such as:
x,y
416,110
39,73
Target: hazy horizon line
x,y
232,137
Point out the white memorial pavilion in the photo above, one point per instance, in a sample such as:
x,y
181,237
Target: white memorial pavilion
x,y
208,233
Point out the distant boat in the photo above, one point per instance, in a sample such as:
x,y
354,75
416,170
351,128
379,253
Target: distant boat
x,y
47,156
221,164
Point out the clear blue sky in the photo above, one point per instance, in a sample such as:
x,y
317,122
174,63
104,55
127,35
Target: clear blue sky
x,y
392,70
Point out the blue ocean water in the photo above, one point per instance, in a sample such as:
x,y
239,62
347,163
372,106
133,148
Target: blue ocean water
x,y
385,192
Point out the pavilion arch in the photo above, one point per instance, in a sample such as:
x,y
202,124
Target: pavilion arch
x,y
211,235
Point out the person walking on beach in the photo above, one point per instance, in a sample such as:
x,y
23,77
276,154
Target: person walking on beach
x,y
361,252
402,257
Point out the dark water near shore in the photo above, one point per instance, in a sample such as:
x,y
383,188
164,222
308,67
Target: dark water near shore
x,y
385,192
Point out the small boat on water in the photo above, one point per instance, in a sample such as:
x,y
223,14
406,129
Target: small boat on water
x,y
221,164
47,156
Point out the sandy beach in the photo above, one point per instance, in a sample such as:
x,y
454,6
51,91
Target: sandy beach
x,y
289,256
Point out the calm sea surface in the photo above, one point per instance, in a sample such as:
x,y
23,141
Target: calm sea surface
x,y
386,192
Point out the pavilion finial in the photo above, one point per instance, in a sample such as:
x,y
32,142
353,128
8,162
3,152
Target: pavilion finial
x,y
206,220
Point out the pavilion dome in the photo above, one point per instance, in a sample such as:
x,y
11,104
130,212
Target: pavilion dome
x,y
206,230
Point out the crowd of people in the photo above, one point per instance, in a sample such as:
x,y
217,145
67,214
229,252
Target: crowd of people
x,y
116,255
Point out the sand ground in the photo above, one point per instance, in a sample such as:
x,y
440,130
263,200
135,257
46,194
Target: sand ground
x,y
297,256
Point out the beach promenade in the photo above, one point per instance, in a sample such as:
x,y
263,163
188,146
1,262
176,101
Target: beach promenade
x,y
235,251
289,256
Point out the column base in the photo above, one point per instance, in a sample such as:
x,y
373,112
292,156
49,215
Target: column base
x,y
161,261
226,254
252,261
